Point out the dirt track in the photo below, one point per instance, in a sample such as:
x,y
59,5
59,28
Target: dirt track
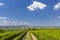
x,y
27,36
33,37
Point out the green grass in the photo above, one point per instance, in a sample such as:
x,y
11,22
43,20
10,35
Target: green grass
x,y
11,34
50,34
41,34
20,37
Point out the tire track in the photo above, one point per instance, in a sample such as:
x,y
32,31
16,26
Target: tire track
x,y
33,37
26,37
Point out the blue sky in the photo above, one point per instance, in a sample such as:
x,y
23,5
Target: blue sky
x,y
36,12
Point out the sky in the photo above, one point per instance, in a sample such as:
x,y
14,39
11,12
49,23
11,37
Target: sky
x,y
30,12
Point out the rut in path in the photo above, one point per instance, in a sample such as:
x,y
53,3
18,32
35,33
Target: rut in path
x,y
29,36
33,37
26,37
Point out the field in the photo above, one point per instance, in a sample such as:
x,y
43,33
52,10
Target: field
x,y
29,34
12,34
49,34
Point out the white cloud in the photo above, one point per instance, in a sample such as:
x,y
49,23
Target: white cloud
x,y
1,4
57,6
3,18
36,5
59,17
5,22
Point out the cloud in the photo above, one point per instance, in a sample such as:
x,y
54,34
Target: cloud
x,y
59,17
36,5
1,4
5,22
3,18
57,6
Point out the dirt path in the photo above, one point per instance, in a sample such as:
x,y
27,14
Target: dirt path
x,y
33,37
26,37
29,36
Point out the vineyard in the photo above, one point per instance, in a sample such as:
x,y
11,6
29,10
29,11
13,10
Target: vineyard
x,y
33,34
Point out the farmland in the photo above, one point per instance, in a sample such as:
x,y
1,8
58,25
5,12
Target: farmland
x,y
29,34
12,34
49,34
